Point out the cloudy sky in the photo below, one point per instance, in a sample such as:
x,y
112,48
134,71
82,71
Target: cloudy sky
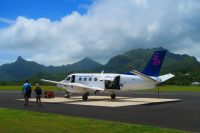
x,y
57,32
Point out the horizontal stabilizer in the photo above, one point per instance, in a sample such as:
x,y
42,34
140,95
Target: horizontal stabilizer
x,y
143,76
166,77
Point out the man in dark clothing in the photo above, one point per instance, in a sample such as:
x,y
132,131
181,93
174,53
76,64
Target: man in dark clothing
x,y
38,93
26,91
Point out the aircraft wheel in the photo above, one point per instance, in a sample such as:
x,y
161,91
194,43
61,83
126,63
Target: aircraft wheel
x,y
113,96
85,97
67,95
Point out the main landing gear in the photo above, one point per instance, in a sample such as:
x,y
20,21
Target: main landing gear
x,y
85,96
96,92
113,96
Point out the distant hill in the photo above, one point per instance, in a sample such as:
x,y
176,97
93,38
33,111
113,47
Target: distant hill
x,y
22,69
134,59
85,64
138,58
19,69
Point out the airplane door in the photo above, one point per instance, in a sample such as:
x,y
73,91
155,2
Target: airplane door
x,y
73,79
117,83
113,84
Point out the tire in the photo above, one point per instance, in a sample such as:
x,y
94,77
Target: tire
x,y
85,97
67,96
113,96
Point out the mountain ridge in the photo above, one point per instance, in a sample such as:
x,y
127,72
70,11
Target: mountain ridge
x,y
133,59
138,58
21,68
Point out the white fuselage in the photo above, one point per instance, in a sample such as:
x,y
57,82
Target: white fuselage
x,y
109,81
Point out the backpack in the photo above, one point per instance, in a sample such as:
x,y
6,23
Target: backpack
x,y
38,91
28,88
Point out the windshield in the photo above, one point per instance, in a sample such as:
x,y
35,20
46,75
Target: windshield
x,y
68,78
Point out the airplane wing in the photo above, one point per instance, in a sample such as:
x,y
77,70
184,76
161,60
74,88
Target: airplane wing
x,y
145,77
107,78
50,81
77,85
81,86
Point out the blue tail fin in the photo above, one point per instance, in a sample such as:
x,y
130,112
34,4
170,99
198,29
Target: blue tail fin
x,y
155,63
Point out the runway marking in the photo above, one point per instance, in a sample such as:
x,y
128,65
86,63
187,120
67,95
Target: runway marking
x,y
105,101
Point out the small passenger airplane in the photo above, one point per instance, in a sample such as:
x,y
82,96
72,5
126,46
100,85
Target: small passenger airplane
x,y
111,83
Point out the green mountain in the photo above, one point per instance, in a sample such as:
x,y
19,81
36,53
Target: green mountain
x,y
22,69
137,59
19,69
186,68
85,64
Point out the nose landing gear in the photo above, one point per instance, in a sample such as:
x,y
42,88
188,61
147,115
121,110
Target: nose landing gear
x,y
113,96
85,96
67,95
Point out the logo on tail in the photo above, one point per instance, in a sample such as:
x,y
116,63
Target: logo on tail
x,y
155,63
156,59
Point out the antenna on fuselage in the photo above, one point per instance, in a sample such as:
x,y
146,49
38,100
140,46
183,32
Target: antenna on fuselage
x,y
102,71
101,76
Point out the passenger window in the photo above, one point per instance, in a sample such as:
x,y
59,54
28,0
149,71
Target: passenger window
x,y
80,79
85,79
90,79
95,79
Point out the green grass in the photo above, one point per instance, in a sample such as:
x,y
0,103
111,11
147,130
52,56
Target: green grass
x,y
21,121
20,88
175,88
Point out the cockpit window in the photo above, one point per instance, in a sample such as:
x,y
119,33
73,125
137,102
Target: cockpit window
x,y
68,78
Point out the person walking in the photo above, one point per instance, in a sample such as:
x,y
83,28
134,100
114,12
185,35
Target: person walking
x,y
38,93
26,91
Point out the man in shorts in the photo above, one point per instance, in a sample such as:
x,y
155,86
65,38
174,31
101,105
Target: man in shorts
x,y
26,91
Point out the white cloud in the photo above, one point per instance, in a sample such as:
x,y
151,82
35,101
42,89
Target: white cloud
x,y
110,27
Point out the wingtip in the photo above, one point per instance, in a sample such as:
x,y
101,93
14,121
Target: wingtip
x,y
171,74
42,79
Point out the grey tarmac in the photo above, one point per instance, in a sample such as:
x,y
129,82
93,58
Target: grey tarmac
x,y
184,115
